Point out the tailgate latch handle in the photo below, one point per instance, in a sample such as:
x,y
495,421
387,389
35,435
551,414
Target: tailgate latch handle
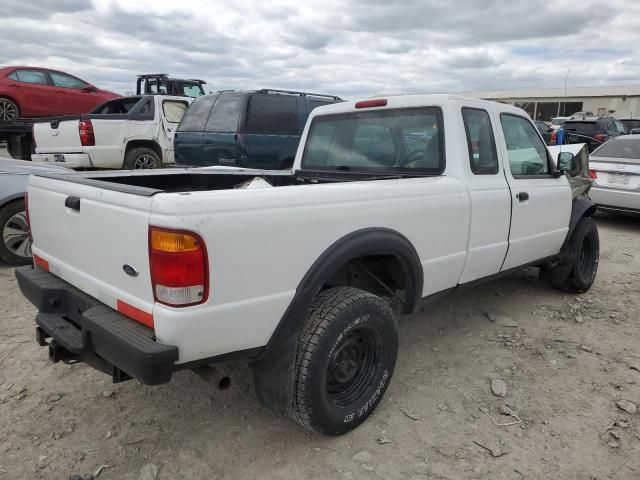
x,y
73,203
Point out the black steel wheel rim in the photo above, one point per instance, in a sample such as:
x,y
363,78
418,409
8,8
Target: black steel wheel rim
x,y
586,256
353,366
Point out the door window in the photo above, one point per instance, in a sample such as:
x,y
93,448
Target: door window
x,y
480,142
30,76
67,81
225,113
174,110
273,115
620,128
526,151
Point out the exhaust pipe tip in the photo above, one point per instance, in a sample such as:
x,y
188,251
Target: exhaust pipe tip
x,y
214,376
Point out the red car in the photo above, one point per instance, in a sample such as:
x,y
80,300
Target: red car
x,y
39,92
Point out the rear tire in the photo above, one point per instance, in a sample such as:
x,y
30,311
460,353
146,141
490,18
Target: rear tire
x,y
141,158
346,355
583,249
15,247
9,109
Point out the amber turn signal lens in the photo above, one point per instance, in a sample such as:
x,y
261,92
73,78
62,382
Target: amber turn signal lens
x,y
167,241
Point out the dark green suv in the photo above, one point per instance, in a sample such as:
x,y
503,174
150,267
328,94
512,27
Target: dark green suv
x,y
257,129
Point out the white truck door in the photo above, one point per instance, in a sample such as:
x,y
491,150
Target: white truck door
x,y
171,112
489,193
540,202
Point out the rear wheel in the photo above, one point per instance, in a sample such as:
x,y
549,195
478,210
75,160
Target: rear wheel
x,y
15,248
141,158
9,109
346,355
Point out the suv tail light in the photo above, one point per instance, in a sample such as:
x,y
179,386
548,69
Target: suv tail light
x,y
554,138
87,137
601,137
179,273
593,175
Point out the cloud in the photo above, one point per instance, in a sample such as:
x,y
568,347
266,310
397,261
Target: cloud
x,y
352,49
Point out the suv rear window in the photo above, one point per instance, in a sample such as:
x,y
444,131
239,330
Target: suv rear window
x,y
377,141
196,117
273,115
584,128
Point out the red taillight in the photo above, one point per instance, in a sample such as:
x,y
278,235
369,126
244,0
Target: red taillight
x,y
376,102
601,137
592,174
554,138
179,272
85,129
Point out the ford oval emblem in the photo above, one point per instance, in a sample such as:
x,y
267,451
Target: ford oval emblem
x,y
130,270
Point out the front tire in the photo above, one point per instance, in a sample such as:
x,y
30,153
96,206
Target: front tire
x,y
583,250
346,355
15,247
9,109
141,158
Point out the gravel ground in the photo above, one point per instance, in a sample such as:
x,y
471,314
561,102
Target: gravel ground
x,y
565,361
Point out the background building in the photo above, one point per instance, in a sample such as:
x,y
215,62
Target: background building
x,y
621,101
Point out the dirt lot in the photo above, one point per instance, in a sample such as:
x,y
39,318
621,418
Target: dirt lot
x,y
566,361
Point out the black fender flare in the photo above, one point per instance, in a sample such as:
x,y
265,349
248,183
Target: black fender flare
x,y
580,207
274,369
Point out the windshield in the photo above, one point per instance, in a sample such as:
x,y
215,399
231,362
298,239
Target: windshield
x,y
403,141
620,147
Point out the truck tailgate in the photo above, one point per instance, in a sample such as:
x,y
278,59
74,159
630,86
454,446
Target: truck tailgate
x,y
57,136
90,246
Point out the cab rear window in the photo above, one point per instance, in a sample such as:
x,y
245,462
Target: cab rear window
x,y
382,140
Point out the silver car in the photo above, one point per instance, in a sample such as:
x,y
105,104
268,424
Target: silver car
x,y
617,169
15,247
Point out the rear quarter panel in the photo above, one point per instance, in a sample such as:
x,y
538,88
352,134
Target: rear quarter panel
x,y
261,243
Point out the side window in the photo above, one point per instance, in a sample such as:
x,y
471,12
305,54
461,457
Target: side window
x,y
196,117
174,110
67,81
273,115
225,113
526,152
620,126
480,141
13,75
32,76
373,145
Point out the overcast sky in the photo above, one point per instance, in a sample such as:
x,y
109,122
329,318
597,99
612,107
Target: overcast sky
x,y
354,49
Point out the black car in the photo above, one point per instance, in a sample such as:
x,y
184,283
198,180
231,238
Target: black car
x,y
545,130
258,129
592,131
631,124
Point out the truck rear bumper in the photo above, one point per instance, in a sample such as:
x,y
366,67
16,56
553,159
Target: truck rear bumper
x,y
82,328
69,160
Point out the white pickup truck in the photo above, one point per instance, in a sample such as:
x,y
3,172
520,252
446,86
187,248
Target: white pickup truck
x,y
390,201
126,133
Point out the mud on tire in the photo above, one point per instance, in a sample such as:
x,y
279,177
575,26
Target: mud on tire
x,y
346,355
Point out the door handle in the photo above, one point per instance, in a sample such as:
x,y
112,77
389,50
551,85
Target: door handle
x,y
73,203
522,196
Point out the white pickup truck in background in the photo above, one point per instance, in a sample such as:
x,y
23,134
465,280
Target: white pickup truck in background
x,y
126,133
390,201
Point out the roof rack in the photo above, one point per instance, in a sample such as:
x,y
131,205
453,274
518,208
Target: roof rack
x,y
302,94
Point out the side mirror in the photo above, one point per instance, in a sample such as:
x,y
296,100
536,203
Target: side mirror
x,y
566,162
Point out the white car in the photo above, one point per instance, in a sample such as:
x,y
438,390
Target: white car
x,y
127,133
390,201
617,170
557,122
